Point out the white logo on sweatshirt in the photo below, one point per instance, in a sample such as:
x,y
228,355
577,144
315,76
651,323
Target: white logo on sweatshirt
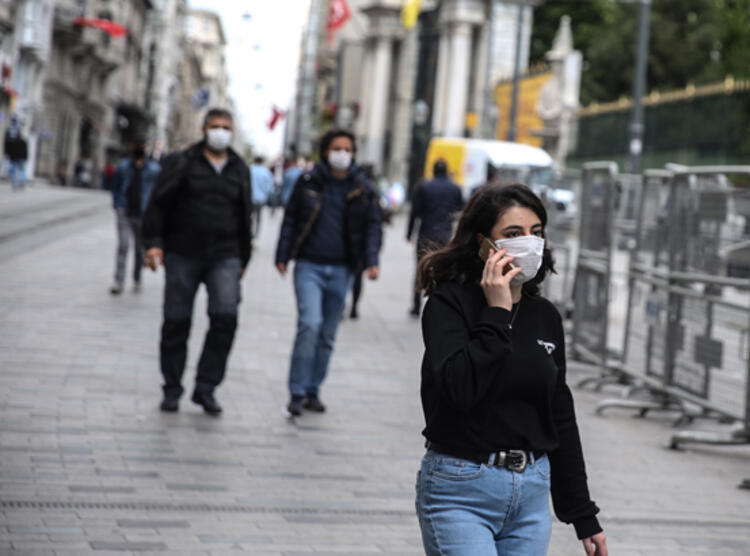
x,y
548,346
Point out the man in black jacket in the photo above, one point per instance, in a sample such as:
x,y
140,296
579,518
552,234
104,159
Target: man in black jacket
x,y
332,227
198,224
16,151
434,204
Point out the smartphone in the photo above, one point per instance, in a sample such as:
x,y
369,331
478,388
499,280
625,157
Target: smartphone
x,y
486,246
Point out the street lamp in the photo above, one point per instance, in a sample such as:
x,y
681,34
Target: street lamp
x,y
639,85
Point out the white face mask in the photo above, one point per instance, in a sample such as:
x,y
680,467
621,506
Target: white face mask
x,y
218,139
340,160
527,254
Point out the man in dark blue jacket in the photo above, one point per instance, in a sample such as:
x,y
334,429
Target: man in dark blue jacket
x,y
332,228
434,204
132,183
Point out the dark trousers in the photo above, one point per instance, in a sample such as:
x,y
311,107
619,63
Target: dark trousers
x,y
183,277
424,246
356,291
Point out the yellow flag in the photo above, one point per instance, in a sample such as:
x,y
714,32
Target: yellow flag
x,y
410,13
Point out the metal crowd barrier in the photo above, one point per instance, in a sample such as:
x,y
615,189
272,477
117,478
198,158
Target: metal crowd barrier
x,y
687,332
591,288
560,237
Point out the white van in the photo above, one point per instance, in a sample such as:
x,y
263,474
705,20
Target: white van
x,y
472,161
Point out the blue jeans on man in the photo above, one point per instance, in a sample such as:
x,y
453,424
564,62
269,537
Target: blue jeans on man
x,y
183,277
321,291
17,172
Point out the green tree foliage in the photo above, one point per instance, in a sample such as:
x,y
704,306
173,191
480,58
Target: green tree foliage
x,y
690,41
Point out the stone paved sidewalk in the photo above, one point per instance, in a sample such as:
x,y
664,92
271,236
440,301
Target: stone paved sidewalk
x,y
88,465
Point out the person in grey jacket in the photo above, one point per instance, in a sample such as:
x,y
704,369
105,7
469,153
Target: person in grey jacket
x,y
132,183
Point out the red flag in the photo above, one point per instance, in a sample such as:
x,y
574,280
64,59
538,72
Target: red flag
x,y
276,115
110,27
338,14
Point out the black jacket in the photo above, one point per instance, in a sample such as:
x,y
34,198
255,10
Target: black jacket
x,y
488,386
362,214
434,203
15,147
195,212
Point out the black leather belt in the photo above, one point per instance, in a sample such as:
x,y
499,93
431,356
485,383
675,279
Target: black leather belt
x,y
515,460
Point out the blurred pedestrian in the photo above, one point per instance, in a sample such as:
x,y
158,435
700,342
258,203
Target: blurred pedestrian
x,y
199,225
263,187
17,152
157,152
132,182
435,204
108,174
500,421
369,173
82,172
331,227
291,175
61,172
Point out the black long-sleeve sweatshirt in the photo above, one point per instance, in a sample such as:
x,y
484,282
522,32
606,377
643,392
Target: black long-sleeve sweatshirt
x,y
488,386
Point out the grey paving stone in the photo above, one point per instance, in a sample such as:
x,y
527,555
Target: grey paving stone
x,y
152,524
101,489
128,546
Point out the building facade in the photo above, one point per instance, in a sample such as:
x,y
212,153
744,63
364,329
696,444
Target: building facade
x,y
397,87
85,78
201,75
93,98
25,34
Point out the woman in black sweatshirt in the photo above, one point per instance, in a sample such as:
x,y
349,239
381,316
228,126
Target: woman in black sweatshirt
x,y
500,425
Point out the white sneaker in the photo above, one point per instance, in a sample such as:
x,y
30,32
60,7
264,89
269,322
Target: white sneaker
x,y
116,288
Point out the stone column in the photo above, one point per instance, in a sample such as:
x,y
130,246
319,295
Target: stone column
x,y
398,165
383,27
366,98
376,120
460,63
443,69
457,18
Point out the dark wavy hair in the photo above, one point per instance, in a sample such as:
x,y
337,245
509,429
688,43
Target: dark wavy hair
x,y
327,138
459,261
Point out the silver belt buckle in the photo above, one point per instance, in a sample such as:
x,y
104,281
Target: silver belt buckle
x,y
517,467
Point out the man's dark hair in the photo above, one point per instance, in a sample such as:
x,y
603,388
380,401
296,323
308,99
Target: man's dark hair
x,y
217,113
440,168
258,160
328,137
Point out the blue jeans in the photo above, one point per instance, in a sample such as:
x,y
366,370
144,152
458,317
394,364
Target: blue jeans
x,y
471,509
321,295
183,276
17,171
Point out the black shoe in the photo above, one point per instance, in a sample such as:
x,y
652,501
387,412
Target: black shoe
x,y
169,406
313,403
414,313
295,407
353,314
209,403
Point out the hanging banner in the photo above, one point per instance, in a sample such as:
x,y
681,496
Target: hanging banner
x,y
338,15
276,116
410,13
110,27
527,119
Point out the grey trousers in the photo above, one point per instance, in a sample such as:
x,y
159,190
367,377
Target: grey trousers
x,y
127,227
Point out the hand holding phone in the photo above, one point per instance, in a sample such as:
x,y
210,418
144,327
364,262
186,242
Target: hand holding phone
x,y
487,246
